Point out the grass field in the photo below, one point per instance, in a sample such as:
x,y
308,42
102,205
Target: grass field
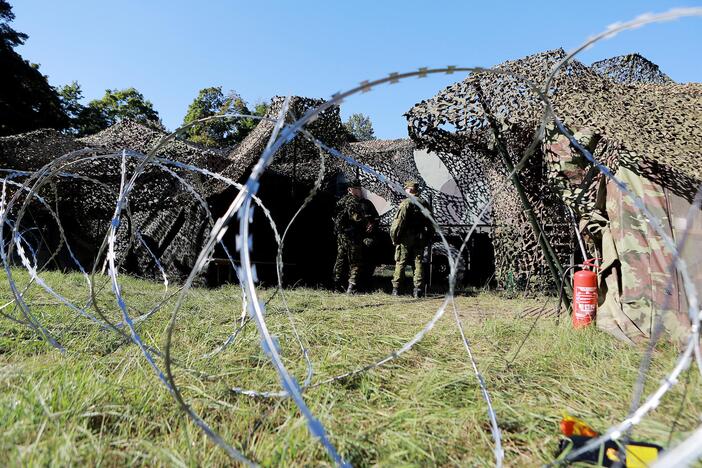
x,y
101,404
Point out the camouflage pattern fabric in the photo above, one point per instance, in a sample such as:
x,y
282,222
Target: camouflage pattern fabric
x,y
410,232
354,216
579,184
349,261
635,275
369,234
636,115
408,254
171,221
410,226
371,217
569,171
350,221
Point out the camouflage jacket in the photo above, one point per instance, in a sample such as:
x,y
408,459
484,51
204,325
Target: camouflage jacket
x,y
410,226
353,216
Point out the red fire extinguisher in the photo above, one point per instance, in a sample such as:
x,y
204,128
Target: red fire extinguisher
x,y
585,294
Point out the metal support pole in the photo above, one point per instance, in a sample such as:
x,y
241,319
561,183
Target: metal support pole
x,y
549,255
431,266
294,175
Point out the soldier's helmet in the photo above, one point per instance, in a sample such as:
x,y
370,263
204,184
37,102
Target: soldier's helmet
x,y
413,184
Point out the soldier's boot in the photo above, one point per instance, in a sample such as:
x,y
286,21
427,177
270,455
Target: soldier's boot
x,y
417,293
395,292
351,289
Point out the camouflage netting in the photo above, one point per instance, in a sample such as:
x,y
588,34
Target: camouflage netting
x,y
648,133
172,222
396,159
632,122
284,187
456,125
169,221
299,158
631,69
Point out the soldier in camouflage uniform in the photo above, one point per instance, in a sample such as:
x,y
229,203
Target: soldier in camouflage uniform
x,y
410,232
355,223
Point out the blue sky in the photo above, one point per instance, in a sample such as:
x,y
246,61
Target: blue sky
x,y
169,49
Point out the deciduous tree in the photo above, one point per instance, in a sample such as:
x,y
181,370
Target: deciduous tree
x,y
119,104
219,132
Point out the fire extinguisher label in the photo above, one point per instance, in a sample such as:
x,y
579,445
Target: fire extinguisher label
x,y
586,300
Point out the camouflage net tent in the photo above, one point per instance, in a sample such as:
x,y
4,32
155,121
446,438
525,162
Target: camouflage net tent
x,y
464,125
171,220
295,168
173,223
400,160
167,221
462,144
642,126
631,69
284,187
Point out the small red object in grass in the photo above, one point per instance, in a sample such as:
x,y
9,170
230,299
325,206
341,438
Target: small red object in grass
x,y
571,426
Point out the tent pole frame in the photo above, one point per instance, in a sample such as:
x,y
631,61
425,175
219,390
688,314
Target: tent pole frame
x,y
550,257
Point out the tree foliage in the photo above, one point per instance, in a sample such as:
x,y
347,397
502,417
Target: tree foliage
x,y
121,104
102,113
360,126
27,101
261,108
8,36
219,132
70,96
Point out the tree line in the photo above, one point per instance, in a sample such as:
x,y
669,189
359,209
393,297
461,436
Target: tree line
x,y
28,102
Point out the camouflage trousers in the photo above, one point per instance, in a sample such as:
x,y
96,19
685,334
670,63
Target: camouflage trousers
x,y
408,254
349,260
